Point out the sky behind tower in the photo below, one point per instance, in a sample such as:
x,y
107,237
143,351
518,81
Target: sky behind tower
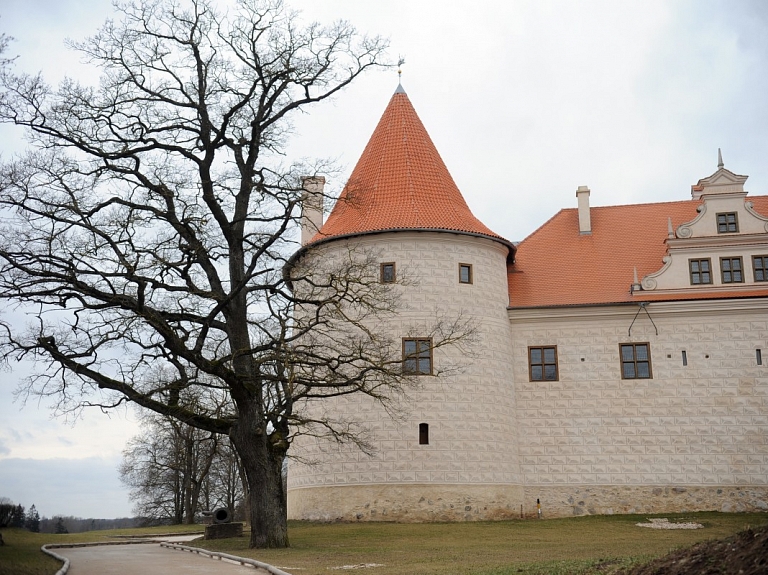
x,y
525,101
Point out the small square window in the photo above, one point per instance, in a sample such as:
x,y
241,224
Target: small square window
x,y
417,356
388,273
635,360
701,271
731,270
727,223
760,268
465,273
542,363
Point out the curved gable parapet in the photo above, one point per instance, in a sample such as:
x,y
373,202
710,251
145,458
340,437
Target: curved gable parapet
x,y
686,230
750,207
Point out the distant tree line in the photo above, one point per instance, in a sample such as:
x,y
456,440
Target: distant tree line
x,y
13,515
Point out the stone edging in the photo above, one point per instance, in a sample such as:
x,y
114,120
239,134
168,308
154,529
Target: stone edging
x,y
65,567
216,555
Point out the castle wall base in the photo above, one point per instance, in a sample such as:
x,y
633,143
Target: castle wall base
x,y
567,501
407,503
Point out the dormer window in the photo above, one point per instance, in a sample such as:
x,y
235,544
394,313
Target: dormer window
x,y
701,271
731,270
388,273
760,268
727,223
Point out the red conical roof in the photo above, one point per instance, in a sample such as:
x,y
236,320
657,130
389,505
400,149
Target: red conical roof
x,y
401,183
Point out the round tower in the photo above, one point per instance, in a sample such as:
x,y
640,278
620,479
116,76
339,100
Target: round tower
x,y
451,453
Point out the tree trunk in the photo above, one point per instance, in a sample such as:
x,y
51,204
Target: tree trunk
x,y
263,464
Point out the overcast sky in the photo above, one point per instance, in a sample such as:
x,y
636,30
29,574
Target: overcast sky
x,y
525,101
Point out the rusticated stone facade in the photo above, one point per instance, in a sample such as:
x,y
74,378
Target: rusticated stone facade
x,y
691,437
472,438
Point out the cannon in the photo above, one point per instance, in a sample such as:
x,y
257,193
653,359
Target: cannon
x,y
222,526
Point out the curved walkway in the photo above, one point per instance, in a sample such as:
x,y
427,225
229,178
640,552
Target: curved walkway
x,y
147,558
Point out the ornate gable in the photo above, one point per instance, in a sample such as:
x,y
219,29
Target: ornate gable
x,y
716,250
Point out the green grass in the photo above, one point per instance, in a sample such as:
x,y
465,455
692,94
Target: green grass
x,y
576,546
583,545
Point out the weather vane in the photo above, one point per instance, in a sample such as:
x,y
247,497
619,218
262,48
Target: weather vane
x,y
400,63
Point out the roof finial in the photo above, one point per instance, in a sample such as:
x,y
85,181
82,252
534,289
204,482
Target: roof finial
x,y
719,159
400,63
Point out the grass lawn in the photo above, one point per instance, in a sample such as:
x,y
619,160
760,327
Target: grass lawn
x,y
579,546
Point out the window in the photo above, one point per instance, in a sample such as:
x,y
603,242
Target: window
x,y
731,270
542,363
685,358
465,273
759,356
635,360
727,223
700,271
760,266
423,433
417,356
388,273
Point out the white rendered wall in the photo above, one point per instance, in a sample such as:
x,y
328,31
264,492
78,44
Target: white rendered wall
x,y
693,437
470,468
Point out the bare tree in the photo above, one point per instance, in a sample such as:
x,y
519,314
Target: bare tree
x,y
166,468
147,232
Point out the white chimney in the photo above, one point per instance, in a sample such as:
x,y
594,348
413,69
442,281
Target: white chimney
x,y
585,223
311,207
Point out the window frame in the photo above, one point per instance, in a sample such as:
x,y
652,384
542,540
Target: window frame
x,y
382,278
691,272
469,271
543,363
740,271
726,223
635,360
763,268
417,355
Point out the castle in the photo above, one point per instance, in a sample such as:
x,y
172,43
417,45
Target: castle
x,y
619,361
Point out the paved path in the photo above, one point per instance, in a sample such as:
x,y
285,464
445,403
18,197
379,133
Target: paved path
x,y
147,559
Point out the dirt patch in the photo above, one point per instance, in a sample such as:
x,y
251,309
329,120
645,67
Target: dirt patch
x,y
745,553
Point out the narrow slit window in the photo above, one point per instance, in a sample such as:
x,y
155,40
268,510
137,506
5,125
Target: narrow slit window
x,y
388,273
465,273
423,433
759,356
685,358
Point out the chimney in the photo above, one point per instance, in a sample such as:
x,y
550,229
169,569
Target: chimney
x,y
585,223
311,207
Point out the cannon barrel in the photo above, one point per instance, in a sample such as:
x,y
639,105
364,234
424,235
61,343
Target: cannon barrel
x,y
222,515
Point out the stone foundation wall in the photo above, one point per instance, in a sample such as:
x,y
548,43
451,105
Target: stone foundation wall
x,y
566,501
406,503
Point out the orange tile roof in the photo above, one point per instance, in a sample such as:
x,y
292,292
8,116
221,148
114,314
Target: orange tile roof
x,y
556,266
400,182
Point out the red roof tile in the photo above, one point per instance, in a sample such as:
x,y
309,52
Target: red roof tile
x,y
556,266
399,183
